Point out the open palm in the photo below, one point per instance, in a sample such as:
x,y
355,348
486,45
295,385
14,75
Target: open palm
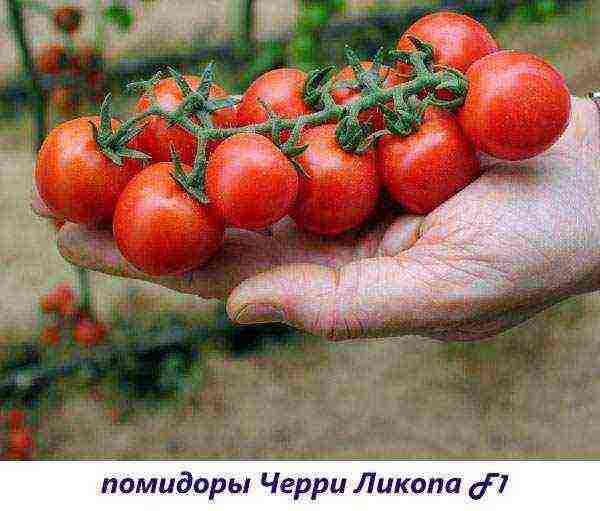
x,y
522,237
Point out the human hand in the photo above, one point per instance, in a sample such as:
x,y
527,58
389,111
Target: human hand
x,y
522,237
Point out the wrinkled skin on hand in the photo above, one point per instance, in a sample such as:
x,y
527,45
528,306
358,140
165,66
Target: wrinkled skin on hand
x,y
522,237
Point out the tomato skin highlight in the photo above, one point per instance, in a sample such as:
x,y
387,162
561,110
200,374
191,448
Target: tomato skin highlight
x,y
458,40
281,89
250,182
157,137
347,95
343,188
517,106
160,229
76,181
428,167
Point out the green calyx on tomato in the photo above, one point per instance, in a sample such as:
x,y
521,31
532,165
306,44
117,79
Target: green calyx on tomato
x,y
113,143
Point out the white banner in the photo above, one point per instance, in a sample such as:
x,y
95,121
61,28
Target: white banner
x,y
280,485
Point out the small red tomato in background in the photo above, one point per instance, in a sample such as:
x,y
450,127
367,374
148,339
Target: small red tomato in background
x,y
65,99
343,188
458,40
250,182
61,299
428,167
157,138
50,335
347,95
282,90
88,332
20,444
15,419
67,18
160,229
53,59
76,181
517,106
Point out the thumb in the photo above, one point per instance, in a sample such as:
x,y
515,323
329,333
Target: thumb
x,y
373,297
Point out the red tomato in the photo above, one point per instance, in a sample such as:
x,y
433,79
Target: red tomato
x,y
65,99
250,182
50,335
347,95
279,88
53,59
15,419
67,18
75,179
57,224
428,167
517,106
157,137
20,444
60,299
458,40
160,228
88,332
342,189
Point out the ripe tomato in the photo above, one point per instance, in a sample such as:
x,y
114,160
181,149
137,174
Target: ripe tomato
x,y
342,189
88,332
160,228
67,18
157,137
458,40
88,59
15,419
517,106
61,299
281,89
75,179
50,335
65,99
53,59
428,167
20,444
347,95
250,182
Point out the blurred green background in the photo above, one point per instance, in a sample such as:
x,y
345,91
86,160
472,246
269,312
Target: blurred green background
x,y
183,381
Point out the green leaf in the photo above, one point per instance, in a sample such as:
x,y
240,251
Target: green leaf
x,y
111,155
126,152
119,14
180,81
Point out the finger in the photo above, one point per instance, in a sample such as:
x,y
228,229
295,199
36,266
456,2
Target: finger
x,y
423,290
401,235
244,254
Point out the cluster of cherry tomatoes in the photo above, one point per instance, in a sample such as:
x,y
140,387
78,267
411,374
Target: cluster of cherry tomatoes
x,y
517,105
66,319
16,440
74,72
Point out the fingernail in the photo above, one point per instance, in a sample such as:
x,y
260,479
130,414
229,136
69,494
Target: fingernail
x,y
259,313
